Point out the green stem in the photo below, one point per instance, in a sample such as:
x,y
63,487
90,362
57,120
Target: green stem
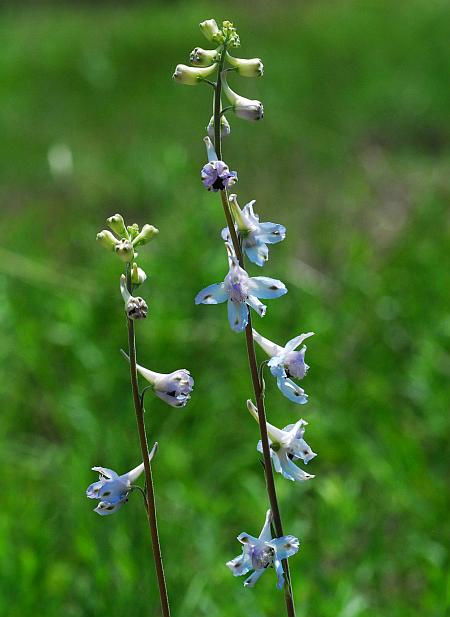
x,y
150,493
251,355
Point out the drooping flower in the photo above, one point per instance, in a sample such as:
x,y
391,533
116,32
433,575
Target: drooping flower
x,y
251,67
285,362
286,446
135,306
247,109
173,388
255,236
216,175
241,291
258,554
192,75
112,490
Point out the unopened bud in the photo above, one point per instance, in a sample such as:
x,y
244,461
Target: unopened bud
x,y
247,67
133,230
243,108
124,250
117,224
145,235
203,57
107,239
192,75
225,128
138,275
211,30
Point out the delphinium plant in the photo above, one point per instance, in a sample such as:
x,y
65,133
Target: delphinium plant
x,y
112,490
246,239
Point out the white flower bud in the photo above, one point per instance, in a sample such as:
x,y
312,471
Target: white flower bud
x,y
247,68
145,235
107,239
192,75
225,128
138,275
243,108
124,250
203,57
117,224
211,30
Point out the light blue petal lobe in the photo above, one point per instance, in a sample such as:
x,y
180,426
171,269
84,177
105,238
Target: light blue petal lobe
x,y
276,462
105,508
257,254
276,366
279,572
256,305
286,546
213,294
113,491
247,539
266,534
292,391
225,234
239,565
271,233
92,491
237,315
296,341
253,578
290,470
266,288
109,474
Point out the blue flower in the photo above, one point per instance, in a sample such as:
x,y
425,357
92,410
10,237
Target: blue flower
x,y
216,175
263,552
286,446
255,236
112,490
241,291
285,362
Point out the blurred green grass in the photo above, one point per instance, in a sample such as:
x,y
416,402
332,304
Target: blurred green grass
x,y
353,158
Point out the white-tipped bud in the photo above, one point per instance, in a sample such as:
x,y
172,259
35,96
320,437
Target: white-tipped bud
x,y
117,224
145,235
192,75
135,307
211,30
247,109
107,239
138,275
124,250
252,67
225,128
203,57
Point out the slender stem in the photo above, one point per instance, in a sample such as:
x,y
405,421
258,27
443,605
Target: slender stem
x,y
150,494
251,354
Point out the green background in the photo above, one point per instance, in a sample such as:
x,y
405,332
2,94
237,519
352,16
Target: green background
x,y
353,157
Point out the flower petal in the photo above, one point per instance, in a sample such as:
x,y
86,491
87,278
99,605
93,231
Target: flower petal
x,y
113,491
291,390
240,565
256,305
265,287
247,539
253,578
266,533
279,572
257,253
105,508
213,294
237,315
271,349
295,342
108,474
290,471
271,232
93,489
285,547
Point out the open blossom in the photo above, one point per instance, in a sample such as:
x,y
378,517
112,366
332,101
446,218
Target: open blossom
x,y
173,388
241,291
216,175
258,554
112,490
286,446
255,236
286,362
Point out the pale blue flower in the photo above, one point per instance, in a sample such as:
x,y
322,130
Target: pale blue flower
x,y
241,291
286,446
112,490
263,552
216,175
285,363
255,236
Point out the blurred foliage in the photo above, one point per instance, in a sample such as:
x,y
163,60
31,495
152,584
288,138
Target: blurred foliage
x,y
353,156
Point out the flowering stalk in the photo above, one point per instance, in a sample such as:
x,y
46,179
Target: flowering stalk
x,y
251,354
149,489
